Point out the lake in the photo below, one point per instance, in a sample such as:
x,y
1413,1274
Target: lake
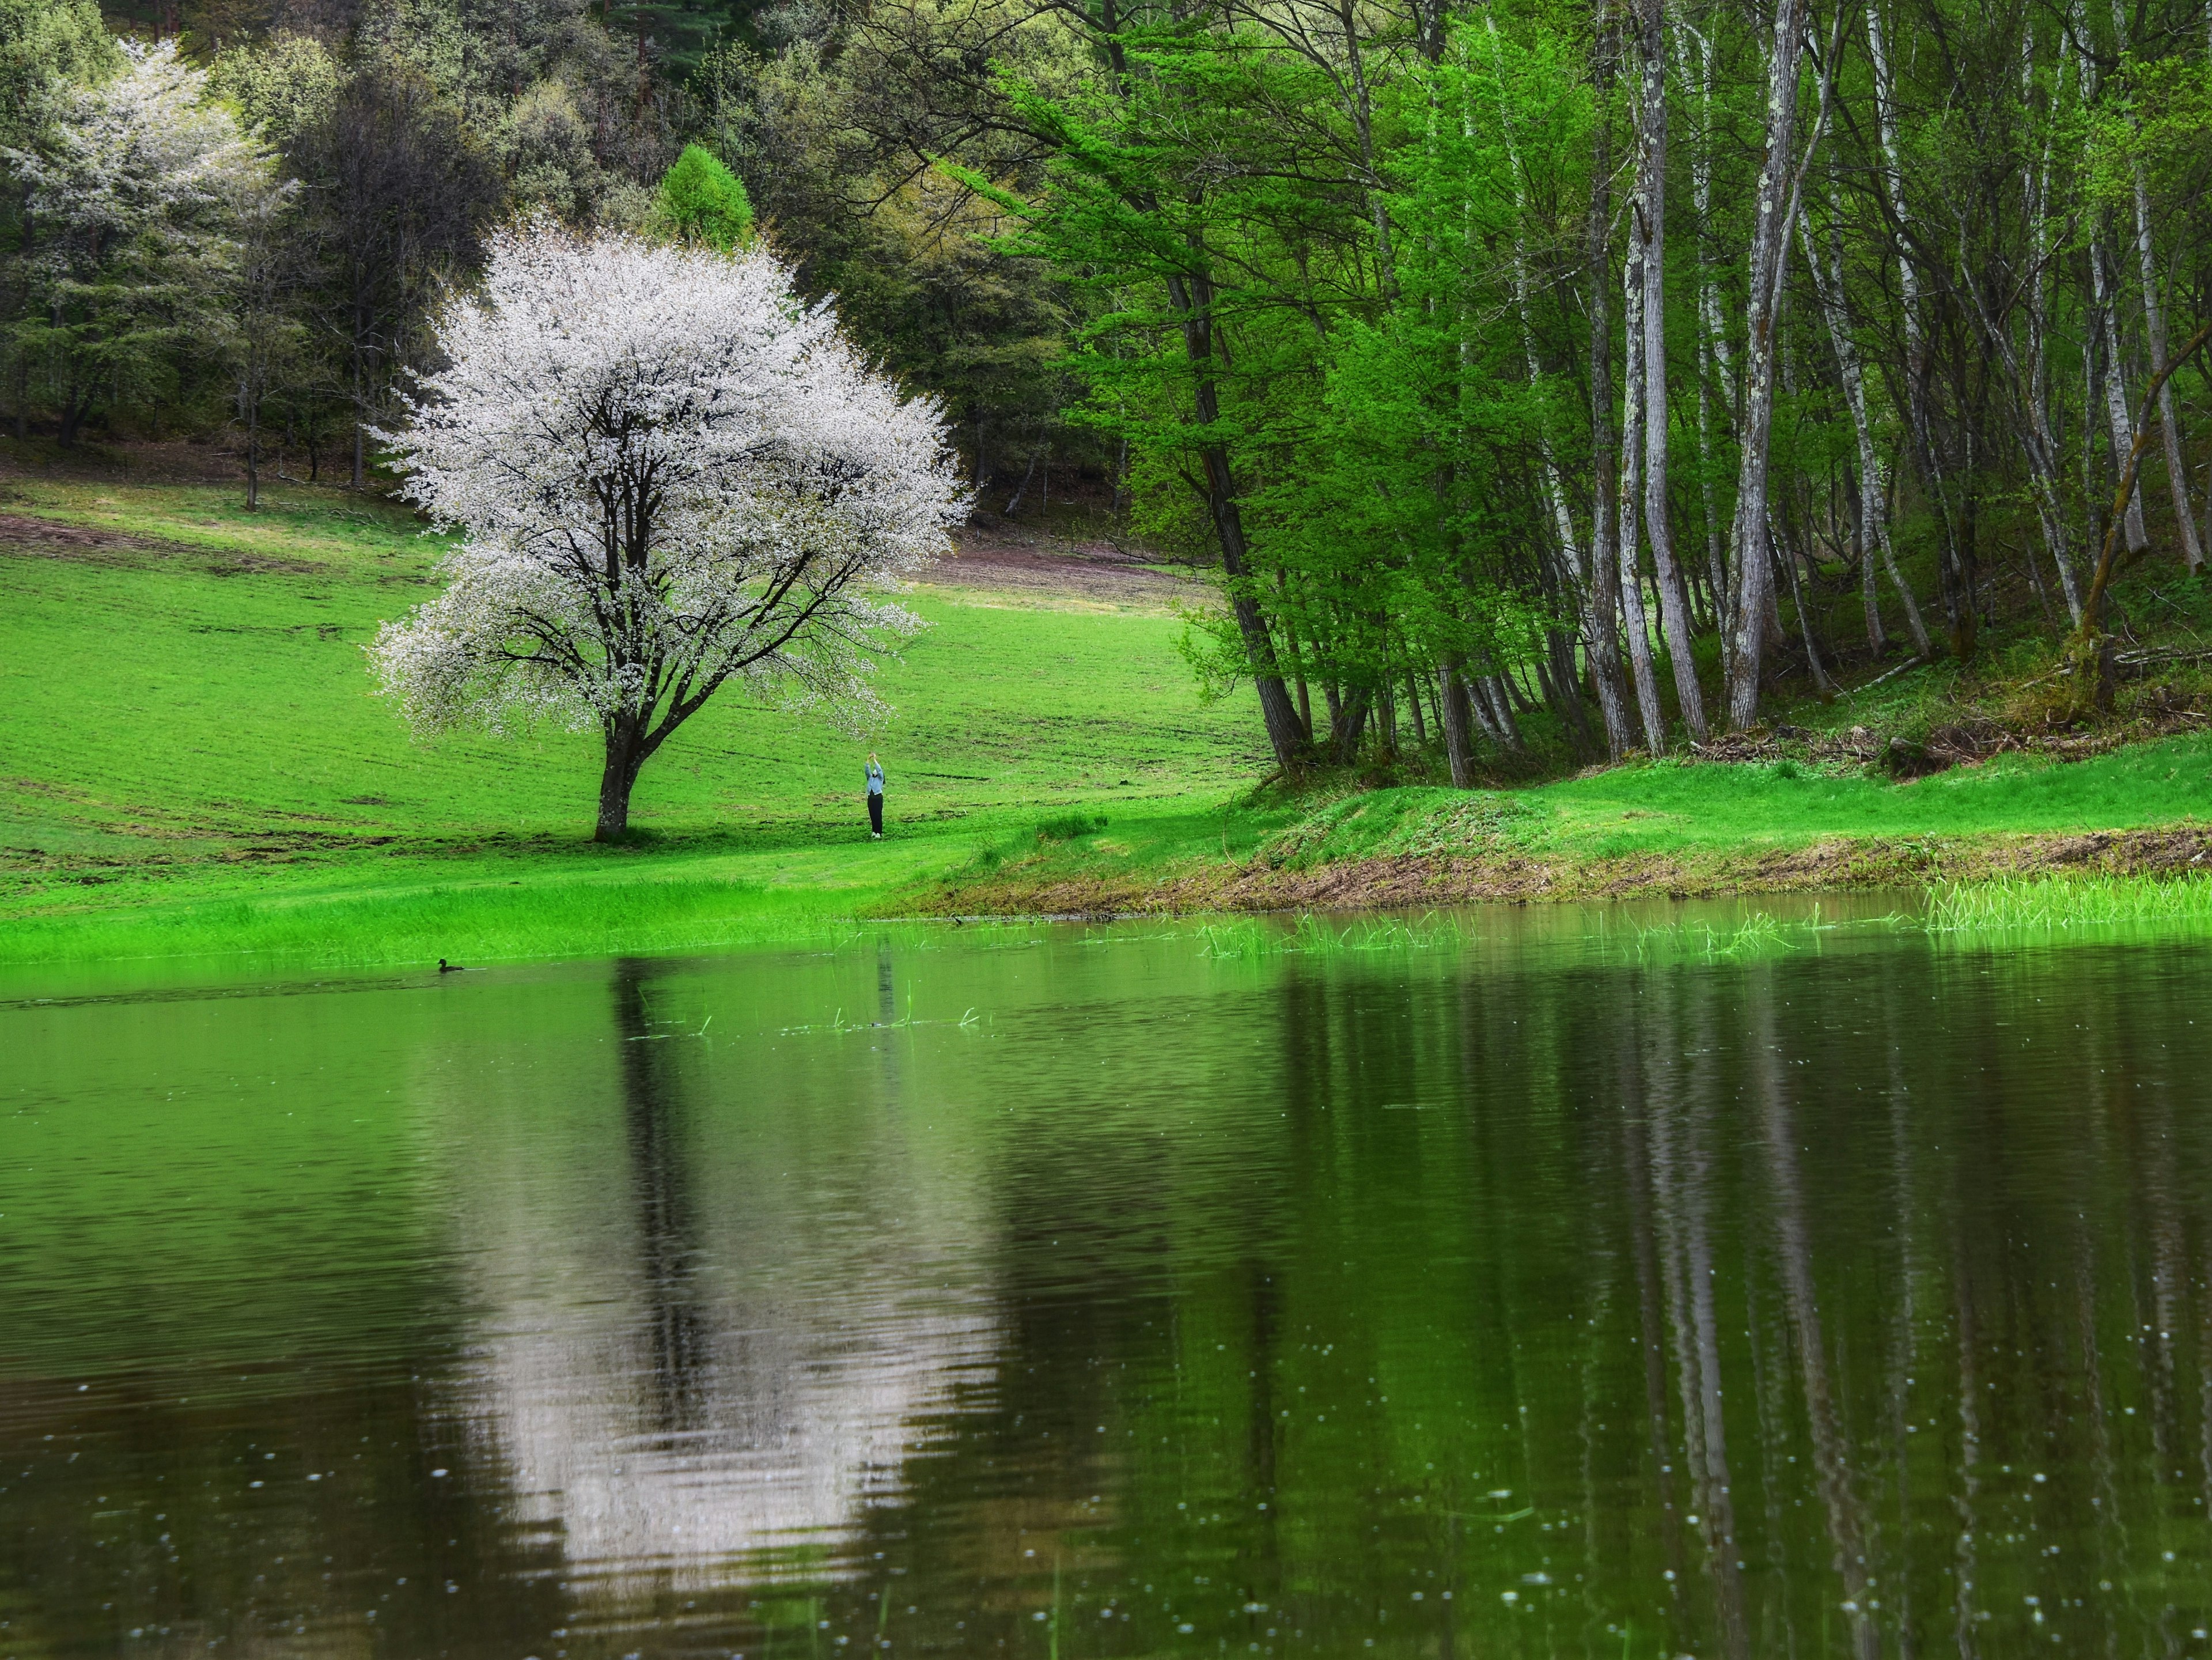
x,y
1060,1292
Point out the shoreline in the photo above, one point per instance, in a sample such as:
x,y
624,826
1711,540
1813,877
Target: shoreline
x,y
509,912
1408,882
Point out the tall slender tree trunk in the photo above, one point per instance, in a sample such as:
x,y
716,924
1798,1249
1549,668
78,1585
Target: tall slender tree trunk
x,y
2117,421
1601,592
2192,551
1191,297
1591,575
1650,230
2035,393
1919,429
1496,689
1770,248
360,412
248,396
1874,476
1713,355
1459,741
1639,631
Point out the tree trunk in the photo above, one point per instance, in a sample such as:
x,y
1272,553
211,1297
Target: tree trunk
x,y
1920,441
1649,229
1013,504
1592,578
1561,691
2116,392
1459,742
1870,584
1713,358
1639,631
1601,587
625,754
1769,249
253,453
1191,297
1874,476
1494,689
2192,551
1347,722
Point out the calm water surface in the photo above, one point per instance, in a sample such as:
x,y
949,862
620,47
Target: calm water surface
x,y
1523,1300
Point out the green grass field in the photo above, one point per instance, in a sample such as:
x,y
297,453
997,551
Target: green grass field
x,y
192,761
192,752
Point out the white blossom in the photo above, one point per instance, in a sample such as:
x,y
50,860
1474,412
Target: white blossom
x,y
132,192
668,472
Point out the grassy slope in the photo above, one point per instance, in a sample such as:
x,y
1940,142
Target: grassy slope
x,y
192,760
191,754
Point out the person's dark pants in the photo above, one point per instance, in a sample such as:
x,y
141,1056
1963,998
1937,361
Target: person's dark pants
x,y
876,814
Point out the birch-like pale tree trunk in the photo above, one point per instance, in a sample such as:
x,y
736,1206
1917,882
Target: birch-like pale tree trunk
x,y
1645,679
1459,742
1648,240
1874,472
1919,430
2043,443
2113,383
1599,646
1601,594
2104,326
2192,551
1714,357
1770,248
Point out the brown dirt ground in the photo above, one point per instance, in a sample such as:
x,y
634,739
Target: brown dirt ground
x,y
1007,557
1409,882
43,538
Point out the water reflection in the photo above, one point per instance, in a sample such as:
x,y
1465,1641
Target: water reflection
x,y
697,1357
1850,1303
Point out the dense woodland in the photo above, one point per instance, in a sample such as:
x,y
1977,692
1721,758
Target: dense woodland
x,y
1616,359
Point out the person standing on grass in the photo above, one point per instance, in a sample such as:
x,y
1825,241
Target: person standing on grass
x,y
875,797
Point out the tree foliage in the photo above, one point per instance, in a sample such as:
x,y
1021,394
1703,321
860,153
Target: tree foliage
x,y
669,475
703,201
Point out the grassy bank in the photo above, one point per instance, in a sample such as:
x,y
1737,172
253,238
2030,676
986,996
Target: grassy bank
x,y
1678,830
193,762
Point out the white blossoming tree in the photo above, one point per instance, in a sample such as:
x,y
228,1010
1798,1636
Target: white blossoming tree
x,y
670,473
132,192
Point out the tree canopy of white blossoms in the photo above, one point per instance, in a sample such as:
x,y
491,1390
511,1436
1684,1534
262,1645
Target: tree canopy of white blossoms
x,y
669,473
133,189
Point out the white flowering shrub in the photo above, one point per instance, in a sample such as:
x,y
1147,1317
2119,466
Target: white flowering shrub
x,y
669,472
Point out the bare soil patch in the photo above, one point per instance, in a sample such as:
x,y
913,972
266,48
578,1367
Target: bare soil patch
x,y
43,538
1008,556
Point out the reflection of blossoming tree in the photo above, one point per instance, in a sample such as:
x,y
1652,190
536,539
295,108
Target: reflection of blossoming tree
x,y
669,473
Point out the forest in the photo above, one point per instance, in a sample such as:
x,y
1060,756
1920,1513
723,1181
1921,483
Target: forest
x,y
1604,366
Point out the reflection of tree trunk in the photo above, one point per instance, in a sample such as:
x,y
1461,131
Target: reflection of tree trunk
x,y
1831,1456
2168,1259
674,1340
1902,1368
2104,1467
1685,1205
1966,1568
1637,1153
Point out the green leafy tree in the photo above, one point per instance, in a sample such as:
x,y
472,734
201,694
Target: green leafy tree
x,y
703,201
